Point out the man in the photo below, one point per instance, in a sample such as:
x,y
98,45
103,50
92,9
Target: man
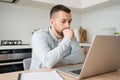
x,y
56,46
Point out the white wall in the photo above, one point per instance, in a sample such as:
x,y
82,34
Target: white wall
x,y
17,22
95,21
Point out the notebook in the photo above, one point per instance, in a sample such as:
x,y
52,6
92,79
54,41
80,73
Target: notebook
x,y
51,75
102,57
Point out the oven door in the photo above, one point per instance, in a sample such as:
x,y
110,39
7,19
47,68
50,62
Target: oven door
x,y
12,59
11,65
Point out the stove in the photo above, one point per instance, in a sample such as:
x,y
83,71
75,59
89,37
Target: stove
x,y
11,42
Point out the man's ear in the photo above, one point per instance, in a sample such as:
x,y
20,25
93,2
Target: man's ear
x,y
52,22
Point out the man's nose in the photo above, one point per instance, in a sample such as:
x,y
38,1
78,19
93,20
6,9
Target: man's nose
x,y
67,25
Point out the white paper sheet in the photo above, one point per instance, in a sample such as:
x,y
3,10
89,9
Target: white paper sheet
x,y
52,75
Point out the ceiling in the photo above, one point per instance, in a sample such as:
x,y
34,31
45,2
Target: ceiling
x,y
80,6
74,3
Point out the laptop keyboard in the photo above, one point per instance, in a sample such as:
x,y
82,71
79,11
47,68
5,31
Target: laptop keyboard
x,y
76,71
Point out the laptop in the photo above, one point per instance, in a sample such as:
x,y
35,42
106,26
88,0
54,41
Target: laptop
x,y
103,56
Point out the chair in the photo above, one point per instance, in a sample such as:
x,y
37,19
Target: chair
x,y
26,63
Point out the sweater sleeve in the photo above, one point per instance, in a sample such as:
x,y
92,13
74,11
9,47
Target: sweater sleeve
x,y
76,55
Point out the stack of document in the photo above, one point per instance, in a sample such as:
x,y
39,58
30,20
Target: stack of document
x,y
52,75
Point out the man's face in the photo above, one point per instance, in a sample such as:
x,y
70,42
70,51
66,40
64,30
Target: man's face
x,y
61,21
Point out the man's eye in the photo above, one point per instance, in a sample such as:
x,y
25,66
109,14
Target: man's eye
x,y
69,22
63,21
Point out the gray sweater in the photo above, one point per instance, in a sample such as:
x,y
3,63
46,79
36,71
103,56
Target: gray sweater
x,y
48,52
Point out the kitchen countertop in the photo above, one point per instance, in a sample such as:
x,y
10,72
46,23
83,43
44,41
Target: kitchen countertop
x,y
29,46
85,44
15,46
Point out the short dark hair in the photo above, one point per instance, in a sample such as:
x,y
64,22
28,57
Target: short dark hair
x,y
57,8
